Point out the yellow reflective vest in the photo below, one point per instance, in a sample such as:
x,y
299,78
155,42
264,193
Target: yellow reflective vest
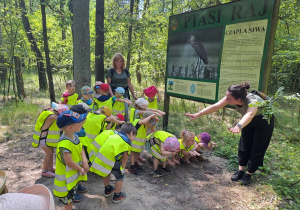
x,y
182,147
53,134
67,178
132,115
159,137
140,138
105,159
108,103
118,107
72,100
94,125
95,146
153,104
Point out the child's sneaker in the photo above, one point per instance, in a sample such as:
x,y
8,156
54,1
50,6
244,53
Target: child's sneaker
x,y
48,174
157,173
109,190
77,198
237,175
140,167
81,189
134,170
52,170
245,180
119,197
166,169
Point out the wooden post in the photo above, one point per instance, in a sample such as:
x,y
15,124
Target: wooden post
x,y
268,62
166,110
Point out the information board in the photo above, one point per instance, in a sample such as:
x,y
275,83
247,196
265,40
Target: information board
x,y
213,48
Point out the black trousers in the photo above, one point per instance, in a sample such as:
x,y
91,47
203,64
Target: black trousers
x,y
254,141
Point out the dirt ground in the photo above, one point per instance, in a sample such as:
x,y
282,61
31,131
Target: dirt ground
x,y
204,185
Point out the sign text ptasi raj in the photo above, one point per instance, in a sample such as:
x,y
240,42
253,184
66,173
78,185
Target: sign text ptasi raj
x,y
214,16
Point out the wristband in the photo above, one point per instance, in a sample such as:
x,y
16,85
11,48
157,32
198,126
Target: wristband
x,y
239,125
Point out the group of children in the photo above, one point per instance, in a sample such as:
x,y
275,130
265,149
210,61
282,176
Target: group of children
x,y
90,134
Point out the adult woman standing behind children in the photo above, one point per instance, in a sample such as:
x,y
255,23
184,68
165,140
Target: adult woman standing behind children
x,y
119,76
256,131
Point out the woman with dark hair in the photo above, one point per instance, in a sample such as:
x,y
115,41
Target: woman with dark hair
x,y
256,132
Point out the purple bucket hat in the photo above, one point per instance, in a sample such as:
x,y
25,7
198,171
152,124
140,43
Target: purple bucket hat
x,y
205,139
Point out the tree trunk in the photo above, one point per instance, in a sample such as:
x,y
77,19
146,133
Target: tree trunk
x,y
138,66
81,46
49,71
19,78
63,19
34,48
99,47
130,34
3,69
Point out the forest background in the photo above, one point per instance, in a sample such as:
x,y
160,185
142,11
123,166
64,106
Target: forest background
x,y
41,46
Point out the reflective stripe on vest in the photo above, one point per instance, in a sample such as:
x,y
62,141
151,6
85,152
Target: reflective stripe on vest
x,y
52,134
91,136
118,112
118,107
154,151
95,146
140,138
67,178
94,125
106,157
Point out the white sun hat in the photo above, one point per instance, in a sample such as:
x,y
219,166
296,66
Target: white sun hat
x,y
35,197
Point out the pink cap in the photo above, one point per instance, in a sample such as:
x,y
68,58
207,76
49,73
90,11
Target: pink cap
x,y
150,91
59,107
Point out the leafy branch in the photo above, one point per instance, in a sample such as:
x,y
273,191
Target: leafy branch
x,y
270,106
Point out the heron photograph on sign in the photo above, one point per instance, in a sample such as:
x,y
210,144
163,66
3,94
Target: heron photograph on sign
x,y
195,54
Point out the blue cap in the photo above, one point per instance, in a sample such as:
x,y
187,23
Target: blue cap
x,y
69,117
120,90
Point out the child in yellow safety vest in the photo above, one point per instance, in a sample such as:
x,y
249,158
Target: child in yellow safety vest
x,y
104,99
97,122
70,97
149,120
112,158
113,125
203,141
162,144
86,98
150,93
187,147
119,101
71,162
46,136
141,106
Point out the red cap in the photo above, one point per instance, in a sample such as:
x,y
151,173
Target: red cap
x,y
150,91
104,87
121,117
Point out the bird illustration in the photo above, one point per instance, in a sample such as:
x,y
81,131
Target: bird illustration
x,y
200,49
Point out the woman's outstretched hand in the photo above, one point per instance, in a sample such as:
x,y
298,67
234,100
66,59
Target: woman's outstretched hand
x,y
235,129
191,116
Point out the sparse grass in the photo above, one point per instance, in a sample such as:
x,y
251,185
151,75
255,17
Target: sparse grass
x,y
280,175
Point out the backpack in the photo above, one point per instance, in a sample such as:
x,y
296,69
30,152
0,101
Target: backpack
x,y
260,94
112,71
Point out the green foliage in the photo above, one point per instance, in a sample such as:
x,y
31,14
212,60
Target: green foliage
x,y
286,58
270,106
